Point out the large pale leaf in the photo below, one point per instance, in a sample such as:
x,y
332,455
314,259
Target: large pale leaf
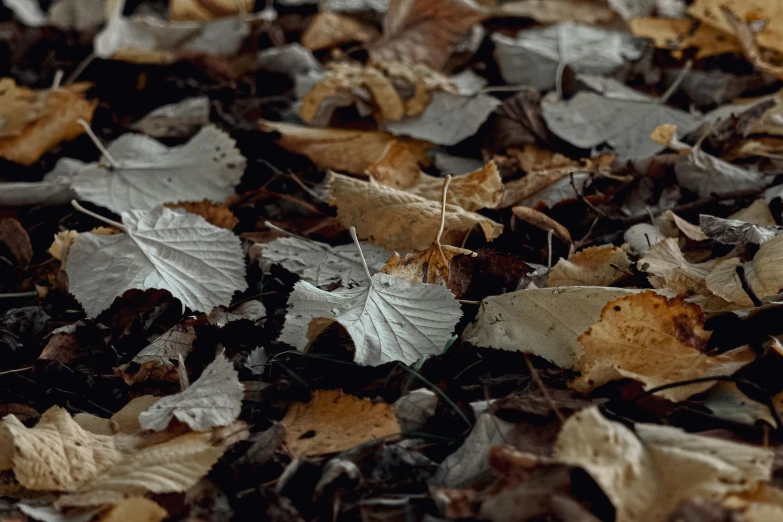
x,y
215,399
150,173
764,274
322,264
389,320
200,264
536,56
736,232
622,118
705,174
545,322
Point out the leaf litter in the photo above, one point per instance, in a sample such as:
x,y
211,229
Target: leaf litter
x,y
565,305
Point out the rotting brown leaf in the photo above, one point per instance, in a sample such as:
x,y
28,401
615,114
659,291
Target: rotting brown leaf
x,y
593,266
329,29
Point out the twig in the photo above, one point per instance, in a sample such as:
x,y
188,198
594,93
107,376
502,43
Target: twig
x,y
14,295
114,163
17,370
583,199
746,286
543,388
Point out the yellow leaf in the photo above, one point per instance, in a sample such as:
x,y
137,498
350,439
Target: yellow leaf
x,y
590,267
204,10
329,29
124,421
19,107
678,34
748,11
339,421
134,509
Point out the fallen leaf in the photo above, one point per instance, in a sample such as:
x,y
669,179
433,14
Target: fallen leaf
x,y
770,35
517,122
58,455
125,421
252,310
217,214
296,62
704,174
215,399
257,360
329,29
28,12
176,120
590,267
669,268
423,31
725,400
354,152
690,230
622,118
400,221
77,15
169,467
679,34
158,360
542,221
654,340
544,322
200,264
646,477
415,408
538,56
757,213
63,241
14,239
763,274
339,422
149,173
489,273
134,509
738,233
31,128
554,11
200,10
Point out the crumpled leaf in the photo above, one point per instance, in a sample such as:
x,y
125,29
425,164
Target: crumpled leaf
x,y
58,455
622,118
257,360
215,399
764,275
324,265
176,120
182,10
654,340
423,31
448,119
535,56
590,267
340,422
294,61
704,174
169,467
124,421
415,408
544,322
770,35
398,220
677,34
150,173
669,268
329,29
389,320
428,266
200,264
32,122
352,151
158,360
646,477
738,233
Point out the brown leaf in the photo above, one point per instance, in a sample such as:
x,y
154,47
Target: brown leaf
x,y
203,10
763,273
336,421
429,266
489,273
134,509
217,214
542,221
19,107
678,34
747,11
329,29
654,340
56,122
555,11
590,267
423,31
124,421
518,122
63,348
16,241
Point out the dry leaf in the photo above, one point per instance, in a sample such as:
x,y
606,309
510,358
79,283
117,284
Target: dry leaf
x,y
737,233
398,220
544,222
690,230
215,399
354,152
748,11
216,213
124,421
19,107
554,11
15,240
169,467
590,267
55,122
423,31
203,10
654,340
134,509
678,34
764,275
338,422
58,455
329,29
157,361
62,244
665,261
758,213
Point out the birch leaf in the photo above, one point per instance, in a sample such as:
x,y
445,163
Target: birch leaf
x,y
590,267
150,173
200,264
390,320
215,399
622,118
322,264
545,322
764,274
535,56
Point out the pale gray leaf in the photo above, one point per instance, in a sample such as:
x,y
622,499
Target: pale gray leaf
x,y
448,119
468,83
257,360
415,408
222,37
588,120
388,321
456,165
168,348
200,264
324,265
736,232
628,9
29,193
706,175
28,12
642,236
252,310
78,15
296,62
535,55
215,399
176,120
545,322
558,191
150,173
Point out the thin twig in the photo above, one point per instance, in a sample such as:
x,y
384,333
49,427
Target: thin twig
x,y
584,200
746,286
14,295
17,370
544,390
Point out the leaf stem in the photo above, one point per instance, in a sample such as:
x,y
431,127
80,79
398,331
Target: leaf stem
x,y
361,254
90,213
677,81
443,210
98,144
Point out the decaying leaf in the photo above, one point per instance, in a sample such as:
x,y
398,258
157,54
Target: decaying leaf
x,y
398,220
654,340
330,29
176,120
770,35
339,422
705,174
544,322
735,232
135,509
678,34
214,400
200,264
216,213
31,122
726,401
542,221
124,421
415,408
669,268
646,477
149,173
423,31
158,360
554,11
593,266
764,275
